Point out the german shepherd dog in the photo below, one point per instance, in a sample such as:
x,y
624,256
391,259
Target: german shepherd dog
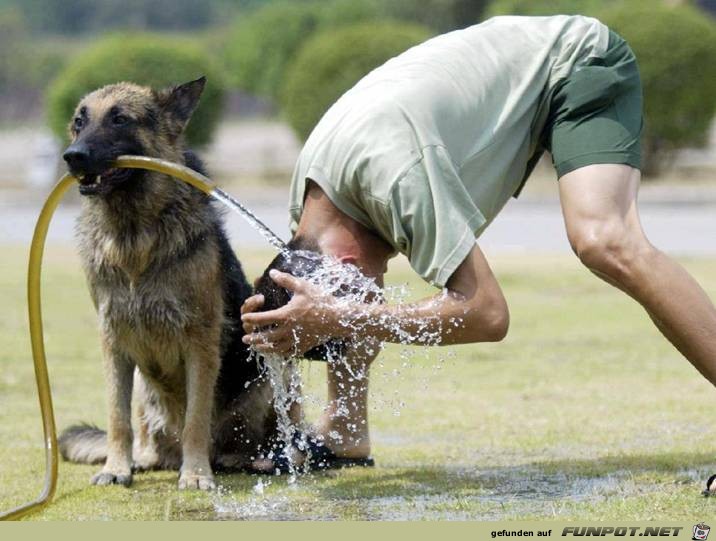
x,y
168,290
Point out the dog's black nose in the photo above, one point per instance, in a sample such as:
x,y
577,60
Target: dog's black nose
x,y
76,156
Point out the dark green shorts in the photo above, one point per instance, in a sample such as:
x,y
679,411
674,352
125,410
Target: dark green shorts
x,y
595,114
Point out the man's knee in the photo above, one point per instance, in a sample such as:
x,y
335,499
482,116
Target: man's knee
x,y
610,248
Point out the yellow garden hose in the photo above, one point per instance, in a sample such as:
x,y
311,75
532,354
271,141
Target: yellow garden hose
x,y
35,311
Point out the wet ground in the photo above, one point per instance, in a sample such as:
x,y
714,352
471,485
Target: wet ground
x,y
475,494
524,490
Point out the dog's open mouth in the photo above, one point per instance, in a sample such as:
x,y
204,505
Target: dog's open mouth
x,y
93,184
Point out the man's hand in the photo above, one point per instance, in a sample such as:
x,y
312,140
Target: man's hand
x,y
309,319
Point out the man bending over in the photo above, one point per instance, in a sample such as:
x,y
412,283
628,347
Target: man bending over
x,y
421,155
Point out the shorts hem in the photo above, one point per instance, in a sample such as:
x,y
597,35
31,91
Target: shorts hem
x,y
620,158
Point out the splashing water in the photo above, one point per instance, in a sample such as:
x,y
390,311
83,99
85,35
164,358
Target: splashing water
x,y
345,284
351,287
285,380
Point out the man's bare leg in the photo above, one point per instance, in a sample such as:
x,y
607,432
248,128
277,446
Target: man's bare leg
x,y
600,212
344,423
343,427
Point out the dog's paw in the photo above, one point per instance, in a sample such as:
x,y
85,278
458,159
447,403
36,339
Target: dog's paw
x,y
192,481
104,478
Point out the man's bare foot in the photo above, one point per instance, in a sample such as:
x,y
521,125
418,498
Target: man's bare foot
x,y
321,455
344,439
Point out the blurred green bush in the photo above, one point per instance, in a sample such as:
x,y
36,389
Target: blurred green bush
x,y
261,45
676,50
143,59
333,61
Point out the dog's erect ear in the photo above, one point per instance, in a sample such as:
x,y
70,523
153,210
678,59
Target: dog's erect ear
x,y
181,100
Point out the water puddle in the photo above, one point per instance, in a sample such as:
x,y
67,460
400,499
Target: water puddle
x,y
279,507
488,495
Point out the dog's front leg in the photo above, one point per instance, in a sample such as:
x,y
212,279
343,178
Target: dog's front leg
x,y
118,467
202,369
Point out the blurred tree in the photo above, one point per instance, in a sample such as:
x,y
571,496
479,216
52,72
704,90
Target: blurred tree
x,y
76,17
12,34
336,13
143,59
441,15
333,61
262,44
25,67
68,17
707,5
24,64
549,7
227,9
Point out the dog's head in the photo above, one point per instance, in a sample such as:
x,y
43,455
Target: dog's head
x,y
125,118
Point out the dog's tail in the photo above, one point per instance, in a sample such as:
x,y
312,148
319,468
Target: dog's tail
x,y
84,444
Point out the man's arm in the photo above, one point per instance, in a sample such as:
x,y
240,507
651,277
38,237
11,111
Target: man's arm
x,y
471,308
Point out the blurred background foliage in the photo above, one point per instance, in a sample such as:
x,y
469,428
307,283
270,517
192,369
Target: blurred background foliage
x,y
260,46
294,57
155,61
333,61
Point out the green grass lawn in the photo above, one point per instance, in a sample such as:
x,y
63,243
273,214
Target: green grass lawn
x,y
584,411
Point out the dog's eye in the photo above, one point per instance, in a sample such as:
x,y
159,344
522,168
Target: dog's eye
x,y
118,120
77,123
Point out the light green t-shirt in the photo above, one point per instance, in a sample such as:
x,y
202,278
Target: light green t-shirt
x,y
426,149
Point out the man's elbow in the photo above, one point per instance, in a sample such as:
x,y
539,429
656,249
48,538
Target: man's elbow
x,y
490,321
497,325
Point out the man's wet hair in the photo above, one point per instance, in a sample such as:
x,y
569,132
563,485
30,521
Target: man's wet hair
x,y
301,258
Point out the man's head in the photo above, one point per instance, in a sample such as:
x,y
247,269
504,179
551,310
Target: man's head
x,y
125,118
356,266
302,259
